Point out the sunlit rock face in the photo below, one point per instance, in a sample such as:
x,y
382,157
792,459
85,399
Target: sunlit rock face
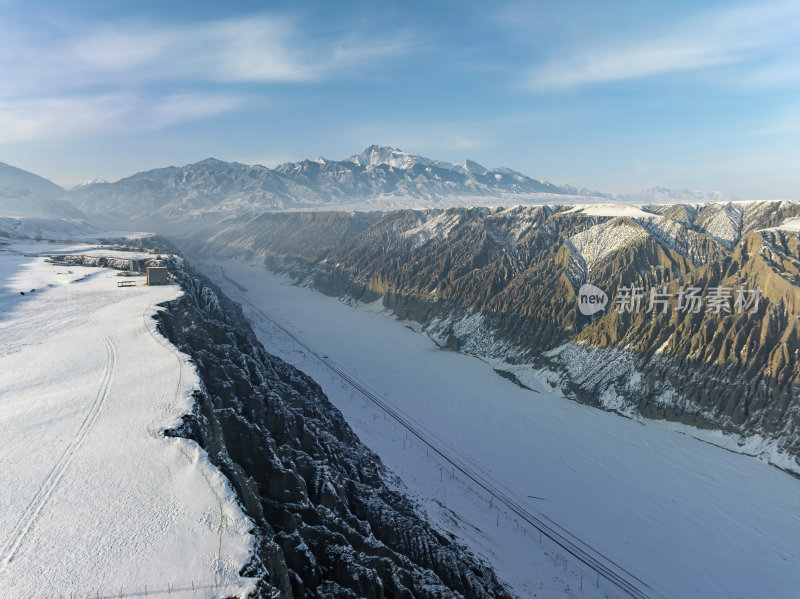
x,y
701,324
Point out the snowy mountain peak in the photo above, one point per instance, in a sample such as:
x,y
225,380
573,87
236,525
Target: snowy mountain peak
x,y
97,181
378,178
211,163
377,155
386,155
471,167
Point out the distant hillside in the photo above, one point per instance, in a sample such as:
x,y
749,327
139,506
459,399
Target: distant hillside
x,y
503,284
31,207
23,194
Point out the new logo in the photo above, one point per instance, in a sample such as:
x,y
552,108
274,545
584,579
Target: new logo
x,y
591,299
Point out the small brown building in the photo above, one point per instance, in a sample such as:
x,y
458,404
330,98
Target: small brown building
x,y
157,275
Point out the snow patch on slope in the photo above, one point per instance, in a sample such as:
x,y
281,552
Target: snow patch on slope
x,y
438,226
596,243
722,221
610,210
790,224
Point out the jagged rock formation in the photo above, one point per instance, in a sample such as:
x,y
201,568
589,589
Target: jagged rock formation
x,y
503,283
124,264
326,522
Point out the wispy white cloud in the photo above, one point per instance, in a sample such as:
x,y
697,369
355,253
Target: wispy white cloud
x,y
180,108
732,36
51,118
254,49
773,75
91,77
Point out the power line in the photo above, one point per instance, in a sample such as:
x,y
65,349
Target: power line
x,y
579,549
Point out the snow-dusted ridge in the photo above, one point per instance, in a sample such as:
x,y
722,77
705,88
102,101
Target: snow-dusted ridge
x,y
506,263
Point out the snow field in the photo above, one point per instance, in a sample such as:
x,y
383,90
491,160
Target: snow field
x,y
96,500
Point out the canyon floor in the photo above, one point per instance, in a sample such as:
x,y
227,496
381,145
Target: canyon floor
x,y
685,517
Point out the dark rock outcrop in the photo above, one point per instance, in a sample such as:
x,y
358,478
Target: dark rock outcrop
x,y
326,522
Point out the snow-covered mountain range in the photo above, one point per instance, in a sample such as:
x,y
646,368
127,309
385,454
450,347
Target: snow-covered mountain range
x,y
379,178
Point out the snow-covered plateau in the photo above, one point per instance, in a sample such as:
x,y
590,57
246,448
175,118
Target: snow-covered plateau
x,y
95,501
685,517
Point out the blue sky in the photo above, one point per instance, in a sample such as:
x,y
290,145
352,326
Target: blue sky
x,y
612,96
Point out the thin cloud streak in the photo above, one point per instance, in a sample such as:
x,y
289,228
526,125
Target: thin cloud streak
x,y
88,80
255,49
79,116
732,36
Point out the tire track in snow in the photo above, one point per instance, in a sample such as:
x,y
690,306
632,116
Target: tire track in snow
x,y
156,431
34,509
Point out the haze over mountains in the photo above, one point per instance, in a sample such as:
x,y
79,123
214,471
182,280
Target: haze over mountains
x,y
379,178
25,194
31,206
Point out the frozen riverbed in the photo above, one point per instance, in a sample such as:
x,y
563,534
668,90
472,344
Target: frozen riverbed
x,y
687,518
